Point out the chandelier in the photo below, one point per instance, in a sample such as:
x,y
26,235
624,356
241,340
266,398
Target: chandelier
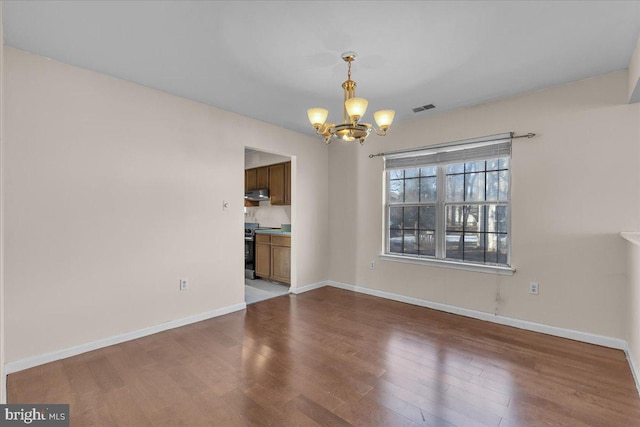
x,y
354,108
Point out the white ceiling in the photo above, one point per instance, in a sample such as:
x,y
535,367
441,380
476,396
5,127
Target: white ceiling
x,y
273,60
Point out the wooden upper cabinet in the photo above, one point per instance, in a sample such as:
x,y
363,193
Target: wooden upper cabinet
x,y
250,179
262,177
287,183
280,183
276,179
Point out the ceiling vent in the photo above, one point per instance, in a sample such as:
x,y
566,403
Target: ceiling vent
x,y
423,108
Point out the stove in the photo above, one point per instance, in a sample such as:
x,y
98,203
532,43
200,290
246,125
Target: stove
x,y
250,249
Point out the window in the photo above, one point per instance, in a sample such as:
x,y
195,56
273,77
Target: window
x,y
450,202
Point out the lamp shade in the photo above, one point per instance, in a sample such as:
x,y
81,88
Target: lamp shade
x,y
317,116
356,107
384,118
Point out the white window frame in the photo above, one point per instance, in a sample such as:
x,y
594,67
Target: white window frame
x,y
445,151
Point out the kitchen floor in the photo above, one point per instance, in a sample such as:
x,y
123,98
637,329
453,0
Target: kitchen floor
x,y
260,290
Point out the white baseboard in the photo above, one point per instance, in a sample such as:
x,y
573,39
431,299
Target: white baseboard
x,y
635,369
41,359
518,323
307,288
602,340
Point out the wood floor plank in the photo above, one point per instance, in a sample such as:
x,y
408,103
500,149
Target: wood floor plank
x,y
318,413
331,357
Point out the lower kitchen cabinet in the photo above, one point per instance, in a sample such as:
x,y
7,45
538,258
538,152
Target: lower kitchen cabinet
x,y
273,257
263,255
281,258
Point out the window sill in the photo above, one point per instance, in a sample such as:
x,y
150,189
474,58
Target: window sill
x,y
494,269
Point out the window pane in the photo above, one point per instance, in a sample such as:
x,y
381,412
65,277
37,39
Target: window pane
x,y
474,186
396,190
492,164
427,217
429,171
474,166
395,217
396,174
453,246
491,244
474,247
412,173
411,194
454,217
493,185
455,188
496,219
504,186
428,189
395,241
410,217
504,163
501,219
502,249
455,168
472,218
410,242
427,244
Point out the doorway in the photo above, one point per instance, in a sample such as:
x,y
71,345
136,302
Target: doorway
x,y
267,221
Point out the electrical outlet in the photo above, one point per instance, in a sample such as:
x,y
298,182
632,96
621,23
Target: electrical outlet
x,y
184,284
372,266
533,288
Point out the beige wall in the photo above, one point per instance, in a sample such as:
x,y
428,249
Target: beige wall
x,y
574,188
3,377
114,192
256,159
634,75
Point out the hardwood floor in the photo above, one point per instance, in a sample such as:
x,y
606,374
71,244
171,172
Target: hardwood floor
x,y
336,358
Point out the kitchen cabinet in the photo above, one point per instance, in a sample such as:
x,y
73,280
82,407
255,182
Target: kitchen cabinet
x,y
263,255
273,257
280,183
262,177
256,178
277,178
250,179
281,258
287,183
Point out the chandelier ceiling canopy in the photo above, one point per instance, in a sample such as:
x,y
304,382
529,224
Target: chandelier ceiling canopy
x,y
354,109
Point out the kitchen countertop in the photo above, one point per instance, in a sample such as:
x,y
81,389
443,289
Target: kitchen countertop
x,y
277,231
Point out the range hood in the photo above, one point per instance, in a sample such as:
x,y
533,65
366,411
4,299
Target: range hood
x,y
257,195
